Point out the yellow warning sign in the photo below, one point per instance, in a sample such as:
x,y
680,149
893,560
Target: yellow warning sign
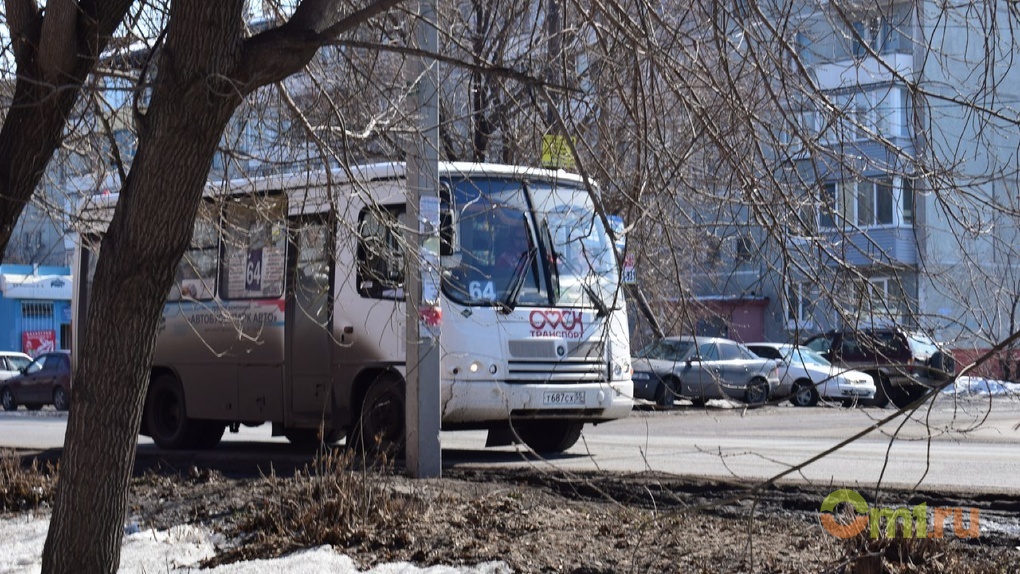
x,y
556,152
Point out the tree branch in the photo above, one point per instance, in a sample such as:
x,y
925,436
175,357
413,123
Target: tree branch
x,y
275,54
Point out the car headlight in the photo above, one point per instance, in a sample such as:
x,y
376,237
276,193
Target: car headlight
x,y
641,376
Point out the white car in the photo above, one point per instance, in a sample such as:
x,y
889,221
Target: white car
x,y
11,363
806,376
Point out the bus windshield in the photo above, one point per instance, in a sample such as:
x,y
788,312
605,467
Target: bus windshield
x,y
528,243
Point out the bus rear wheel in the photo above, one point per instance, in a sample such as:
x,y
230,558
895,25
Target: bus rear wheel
x,y
549,437
167,418
379,430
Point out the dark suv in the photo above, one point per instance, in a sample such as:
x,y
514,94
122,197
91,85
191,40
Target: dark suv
x,y
903,363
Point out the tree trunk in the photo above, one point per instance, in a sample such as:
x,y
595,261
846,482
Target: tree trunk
x,y
150,230
205,70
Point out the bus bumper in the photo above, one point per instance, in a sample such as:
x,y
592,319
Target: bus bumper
x,y
466,402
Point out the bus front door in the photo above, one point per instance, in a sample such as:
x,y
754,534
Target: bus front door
x,y
309,341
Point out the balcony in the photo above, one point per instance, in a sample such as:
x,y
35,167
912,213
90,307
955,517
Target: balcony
x,y
852,73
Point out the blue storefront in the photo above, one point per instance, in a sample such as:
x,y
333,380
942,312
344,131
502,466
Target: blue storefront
x,y
35,308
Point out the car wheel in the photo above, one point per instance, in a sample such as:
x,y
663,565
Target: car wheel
x,y
882,388
380,427
61,400
166,415
903,396
756,393
7,398
549,437
665,394
804,394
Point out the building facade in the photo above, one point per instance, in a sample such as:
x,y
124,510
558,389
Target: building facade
x,y
904,160
35,308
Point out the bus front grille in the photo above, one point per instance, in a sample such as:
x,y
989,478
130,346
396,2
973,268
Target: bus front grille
x,y
557,372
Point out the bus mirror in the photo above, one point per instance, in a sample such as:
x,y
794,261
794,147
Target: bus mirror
x,y
447,221
616,229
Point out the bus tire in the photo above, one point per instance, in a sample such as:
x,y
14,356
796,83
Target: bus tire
x,y
549,437
166,414
379,429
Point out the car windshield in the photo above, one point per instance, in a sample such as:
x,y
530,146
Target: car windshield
x,y
805,356
920,345
667,350
18,362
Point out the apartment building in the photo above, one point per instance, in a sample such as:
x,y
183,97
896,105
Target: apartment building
x,y
904,157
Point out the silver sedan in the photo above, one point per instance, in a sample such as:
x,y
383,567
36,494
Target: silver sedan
x,y
703,368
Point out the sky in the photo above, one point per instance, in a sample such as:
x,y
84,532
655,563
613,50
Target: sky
x,y
182,548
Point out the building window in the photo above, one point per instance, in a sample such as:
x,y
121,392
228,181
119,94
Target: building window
x,y
881,300
869,33
800,305
36,315
743,250
864,203
907,201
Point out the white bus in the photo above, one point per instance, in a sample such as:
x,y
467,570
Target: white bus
x,y
288,308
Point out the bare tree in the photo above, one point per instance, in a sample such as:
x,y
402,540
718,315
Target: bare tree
x,y
744,163
207,65
54,52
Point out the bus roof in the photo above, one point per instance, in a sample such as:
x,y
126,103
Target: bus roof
x,y
343,175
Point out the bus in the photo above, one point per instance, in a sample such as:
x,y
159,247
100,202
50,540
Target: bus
x,y
288,308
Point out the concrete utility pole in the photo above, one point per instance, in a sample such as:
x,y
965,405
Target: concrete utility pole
x,y
424,456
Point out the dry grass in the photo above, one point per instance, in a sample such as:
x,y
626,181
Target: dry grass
x,y
335,501
25,488
905,555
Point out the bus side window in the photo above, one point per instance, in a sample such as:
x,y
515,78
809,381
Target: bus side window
x,y
196,273
254,248
380,272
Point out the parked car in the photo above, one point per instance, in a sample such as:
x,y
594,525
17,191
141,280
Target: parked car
x,y
46,380
11,363
805,376
903,363
702,368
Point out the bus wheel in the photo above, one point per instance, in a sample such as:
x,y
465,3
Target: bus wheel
x,y
380,427
549,437
166,415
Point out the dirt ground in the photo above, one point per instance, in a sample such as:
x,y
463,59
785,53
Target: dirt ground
x,y
545,522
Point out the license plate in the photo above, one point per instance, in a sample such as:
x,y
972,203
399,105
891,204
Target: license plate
x,y
561,398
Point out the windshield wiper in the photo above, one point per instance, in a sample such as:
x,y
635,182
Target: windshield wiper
x,y
509,303
600,305
552,266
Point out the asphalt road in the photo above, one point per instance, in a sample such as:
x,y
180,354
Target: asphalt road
x,y
967,445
